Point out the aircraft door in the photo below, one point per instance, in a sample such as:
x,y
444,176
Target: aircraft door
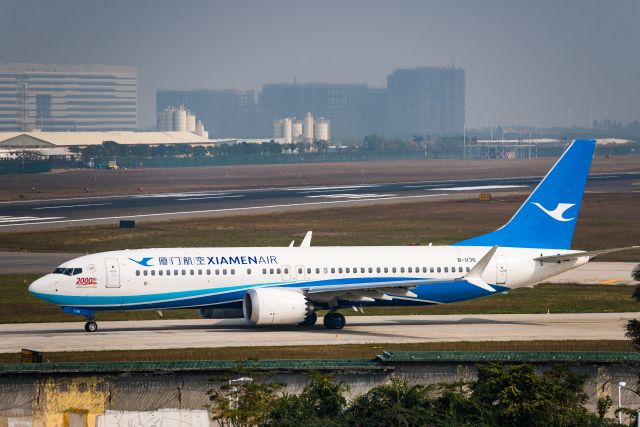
x,y
286,273
501,270
299,274
113,272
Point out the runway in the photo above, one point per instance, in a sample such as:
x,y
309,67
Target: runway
x,y
43,214
163,334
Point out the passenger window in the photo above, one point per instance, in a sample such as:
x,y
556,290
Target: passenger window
x,y
325,270
233,271
168,272
446,269
271,271
409,270
145,272
199,272
339,269
439,270
347,270
160,272
264,271
361,269
175,272
453,269
431,269
184,272
192,272
153,272
208,272
286,271
370,269
224,271
401,269
333,270
279,271
137,272
424,269
459,269
386,269
317,270
393,270
377,269
248,271
308,271
468,269
217,272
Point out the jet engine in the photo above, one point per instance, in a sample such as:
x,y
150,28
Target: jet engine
x,y
220,313
276,306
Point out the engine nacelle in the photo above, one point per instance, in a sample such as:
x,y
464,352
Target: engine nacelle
x,y
275,306
220,313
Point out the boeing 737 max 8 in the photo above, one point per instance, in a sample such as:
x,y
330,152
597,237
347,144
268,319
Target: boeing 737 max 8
x,y
287,285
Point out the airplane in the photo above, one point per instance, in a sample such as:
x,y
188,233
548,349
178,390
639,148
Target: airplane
x,y
287,285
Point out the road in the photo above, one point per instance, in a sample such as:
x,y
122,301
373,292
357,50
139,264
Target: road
x,y
162,334
43,214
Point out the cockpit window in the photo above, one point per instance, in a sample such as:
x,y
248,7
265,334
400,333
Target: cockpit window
x,y
67,271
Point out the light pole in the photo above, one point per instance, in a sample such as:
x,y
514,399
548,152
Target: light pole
x,y
620,385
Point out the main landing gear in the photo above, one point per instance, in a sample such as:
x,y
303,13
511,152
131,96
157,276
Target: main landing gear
x,y
334,320
91,326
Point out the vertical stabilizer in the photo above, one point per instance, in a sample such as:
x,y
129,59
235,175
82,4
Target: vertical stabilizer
x,y
548,217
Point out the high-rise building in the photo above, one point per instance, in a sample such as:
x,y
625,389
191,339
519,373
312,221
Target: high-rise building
x,y
426,100
226,113
68,97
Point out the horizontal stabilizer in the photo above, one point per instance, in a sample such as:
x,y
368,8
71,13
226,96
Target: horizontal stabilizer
x,y
575,255
475,275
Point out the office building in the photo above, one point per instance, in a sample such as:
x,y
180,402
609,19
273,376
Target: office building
x,y
67,97
427,100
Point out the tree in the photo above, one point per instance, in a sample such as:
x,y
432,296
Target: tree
x,y
244,402
636,276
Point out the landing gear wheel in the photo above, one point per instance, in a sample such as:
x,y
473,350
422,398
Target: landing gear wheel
x,y
91,326
334,321
311,319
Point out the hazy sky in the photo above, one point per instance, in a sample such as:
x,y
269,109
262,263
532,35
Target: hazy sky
x,y
526,62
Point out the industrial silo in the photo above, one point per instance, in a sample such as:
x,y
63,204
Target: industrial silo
x,y
296,130
191,122
321,129
307,129
286,130
180,120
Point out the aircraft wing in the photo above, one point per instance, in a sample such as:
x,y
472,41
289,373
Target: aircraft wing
x,y
574,255
387,290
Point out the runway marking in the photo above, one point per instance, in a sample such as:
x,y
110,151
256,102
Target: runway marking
x,y
14,219
238,209
71,206
331,188
607,282
222,196
480,187
352,196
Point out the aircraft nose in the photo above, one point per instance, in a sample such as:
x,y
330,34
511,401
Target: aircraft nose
x,y
39,285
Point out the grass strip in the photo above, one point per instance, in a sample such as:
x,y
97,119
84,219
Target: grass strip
x,y
347,351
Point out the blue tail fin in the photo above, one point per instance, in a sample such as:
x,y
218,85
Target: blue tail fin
x,y
548,217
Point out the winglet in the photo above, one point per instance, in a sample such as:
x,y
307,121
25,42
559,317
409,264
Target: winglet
x,y
306,242
475,275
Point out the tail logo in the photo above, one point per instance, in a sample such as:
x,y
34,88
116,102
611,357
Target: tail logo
x,y
558,212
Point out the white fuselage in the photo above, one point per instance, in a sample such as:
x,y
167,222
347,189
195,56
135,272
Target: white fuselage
x,y
208,277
